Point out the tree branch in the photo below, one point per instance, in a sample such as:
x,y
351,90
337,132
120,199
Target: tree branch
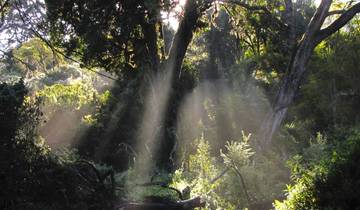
x,y
178,205
243,183
318,18
248,6
163,185
219,176
338,23
27,21
182,38
12,56
257,8
336,12
3,6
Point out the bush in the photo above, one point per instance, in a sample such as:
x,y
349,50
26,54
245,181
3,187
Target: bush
x,y
33,178
329,182
235,179
21,149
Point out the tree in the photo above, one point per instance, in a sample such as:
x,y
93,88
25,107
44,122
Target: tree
x,y
33,55
121,36
20,20
314,34
126,38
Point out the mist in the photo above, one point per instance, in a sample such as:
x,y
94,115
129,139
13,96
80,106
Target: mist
x,y
218,111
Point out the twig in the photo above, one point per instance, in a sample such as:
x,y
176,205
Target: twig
x,y
243,184
12,56
219,176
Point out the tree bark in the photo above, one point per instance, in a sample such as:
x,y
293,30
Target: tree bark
x,y
286,94
289,19
297,68
182,38
172,65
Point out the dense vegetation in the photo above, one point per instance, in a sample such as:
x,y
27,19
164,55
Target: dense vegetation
x,y
147,104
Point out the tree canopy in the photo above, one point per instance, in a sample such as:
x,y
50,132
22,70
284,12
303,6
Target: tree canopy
x,y
179,104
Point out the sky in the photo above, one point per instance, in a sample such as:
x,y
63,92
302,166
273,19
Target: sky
x,y
172,17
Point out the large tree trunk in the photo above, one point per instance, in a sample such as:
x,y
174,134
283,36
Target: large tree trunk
x,y
295,73
178,49
285,95
164,97
297,68
182,38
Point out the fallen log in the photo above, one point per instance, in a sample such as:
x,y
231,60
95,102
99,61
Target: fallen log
x,y
166,205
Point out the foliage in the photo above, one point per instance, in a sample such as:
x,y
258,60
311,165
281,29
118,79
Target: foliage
x,y
101,32
238,153
328,182
32,177
21,147
224,181
35,55
80,98
30,60
73,96
20,118
329,99
140,186
197,173
232,70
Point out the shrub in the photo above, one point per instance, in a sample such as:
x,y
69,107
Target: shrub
x,y
33,178
329,182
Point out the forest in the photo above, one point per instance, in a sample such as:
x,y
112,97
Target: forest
x,y
179,104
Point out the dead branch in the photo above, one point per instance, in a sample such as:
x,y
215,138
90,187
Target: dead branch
x,y
162,185
177,205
